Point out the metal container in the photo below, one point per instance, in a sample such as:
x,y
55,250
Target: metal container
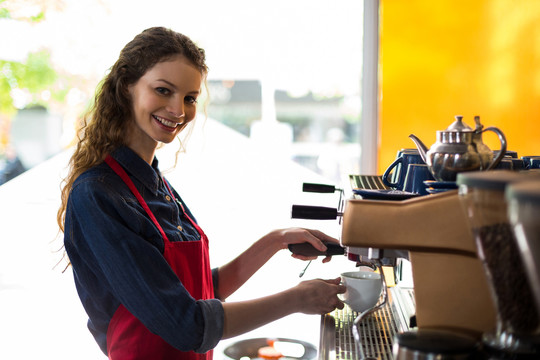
x,y
460,148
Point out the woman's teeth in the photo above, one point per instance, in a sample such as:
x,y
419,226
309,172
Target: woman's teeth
x,y
165,121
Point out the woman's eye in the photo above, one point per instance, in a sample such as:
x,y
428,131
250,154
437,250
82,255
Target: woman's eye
x,y
191,99
163,91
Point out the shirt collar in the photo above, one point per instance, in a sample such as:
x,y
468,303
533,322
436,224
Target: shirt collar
x,y
137,168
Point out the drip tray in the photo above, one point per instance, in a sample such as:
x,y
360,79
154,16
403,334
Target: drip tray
x,y
377,331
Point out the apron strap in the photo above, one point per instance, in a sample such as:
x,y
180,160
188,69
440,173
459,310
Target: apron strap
x,y
125,177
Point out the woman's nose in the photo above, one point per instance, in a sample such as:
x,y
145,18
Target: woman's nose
x,y
176,110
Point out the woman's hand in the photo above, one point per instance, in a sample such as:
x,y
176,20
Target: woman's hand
x,y
309,297
301,235
320,296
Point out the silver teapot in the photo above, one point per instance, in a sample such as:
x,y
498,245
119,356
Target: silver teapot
x,y
459,148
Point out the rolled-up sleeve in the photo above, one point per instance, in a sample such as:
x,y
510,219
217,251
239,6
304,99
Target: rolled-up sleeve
x,y
213,324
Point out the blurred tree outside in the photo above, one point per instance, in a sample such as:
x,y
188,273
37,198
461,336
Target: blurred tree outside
x,y
30,78
19,80
33,82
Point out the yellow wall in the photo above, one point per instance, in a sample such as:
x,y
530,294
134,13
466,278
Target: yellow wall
x,y
459,57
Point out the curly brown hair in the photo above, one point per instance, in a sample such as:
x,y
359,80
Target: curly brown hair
x,y
104,126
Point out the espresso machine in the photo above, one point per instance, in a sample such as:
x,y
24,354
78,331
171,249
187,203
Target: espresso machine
x,y
476,297
346,334
450,287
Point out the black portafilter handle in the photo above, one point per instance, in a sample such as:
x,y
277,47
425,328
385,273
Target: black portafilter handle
x,y
314,212
306,249
319,188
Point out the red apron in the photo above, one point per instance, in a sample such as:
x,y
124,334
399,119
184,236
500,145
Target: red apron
x,y
127,337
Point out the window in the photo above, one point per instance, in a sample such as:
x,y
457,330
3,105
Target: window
x,y
291,67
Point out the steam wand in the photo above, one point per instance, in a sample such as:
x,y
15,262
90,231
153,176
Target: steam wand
x,y
304,271
375,255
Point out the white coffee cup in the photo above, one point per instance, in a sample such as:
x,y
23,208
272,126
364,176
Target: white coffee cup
x,y
363,289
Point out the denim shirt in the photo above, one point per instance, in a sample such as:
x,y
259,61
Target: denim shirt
x,y
116,253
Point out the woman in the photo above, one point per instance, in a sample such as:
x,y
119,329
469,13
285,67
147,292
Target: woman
x,y
139,259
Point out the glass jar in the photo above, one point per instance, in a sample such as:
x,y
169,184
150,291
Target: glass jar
x,y
483,197
524,215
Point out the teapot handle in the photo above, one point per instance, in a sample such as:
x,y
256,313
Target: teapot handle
x,y
502,152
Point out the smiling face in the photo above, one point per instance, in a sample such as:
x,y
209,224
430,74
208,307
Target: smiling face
x,y
164,101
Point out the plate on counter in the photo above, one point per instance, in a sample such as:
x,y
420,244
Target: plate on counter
x,y
446,185
384,194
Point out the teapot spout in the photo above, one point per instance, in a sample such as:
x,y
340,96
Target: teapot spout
x,y
422,149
